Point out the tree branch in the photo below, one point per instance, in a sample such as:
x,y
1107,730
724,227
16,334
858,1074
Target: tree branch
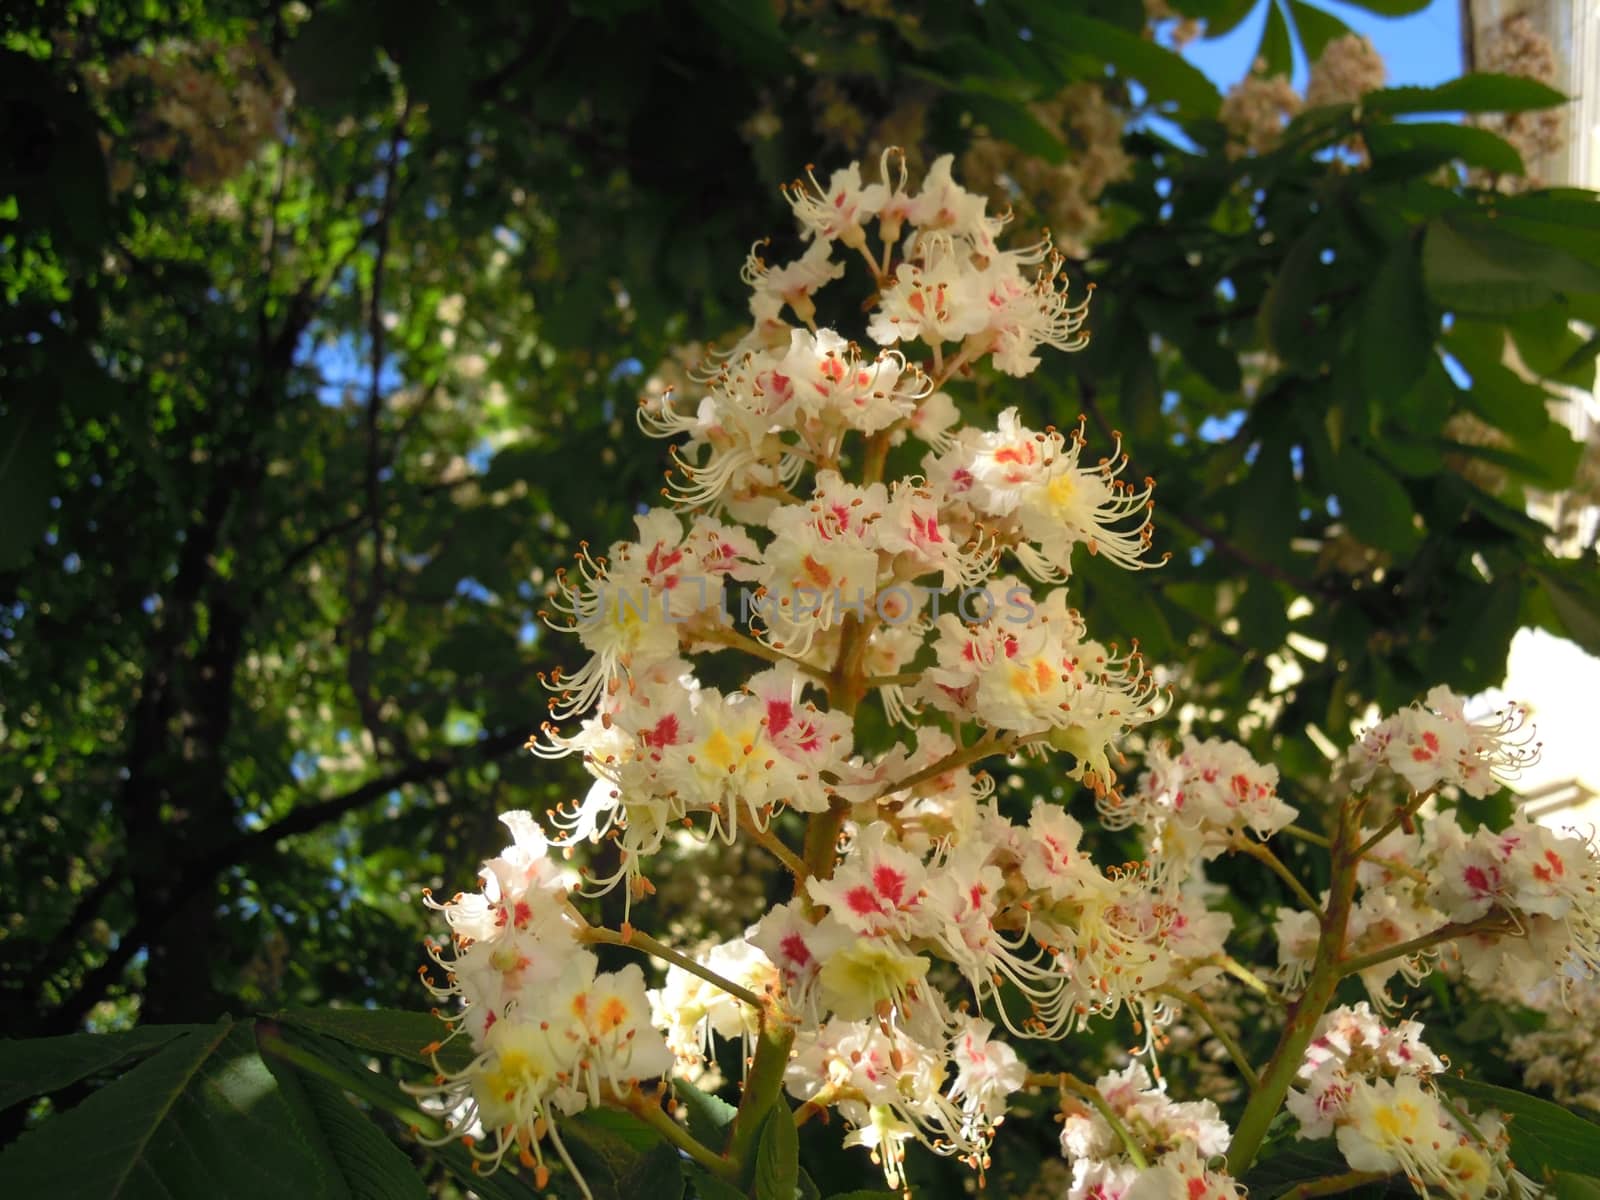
x,y
202,871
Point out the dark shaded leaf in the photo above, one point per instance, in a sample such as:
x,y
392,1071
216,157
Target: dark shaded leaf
x,y
1377,508
39,1066
1544,1137
203,1116
1477,93
1576,607
27,472
1316,27
372,1166
1275,47
381,1030
777,1156
1439,142
1396,335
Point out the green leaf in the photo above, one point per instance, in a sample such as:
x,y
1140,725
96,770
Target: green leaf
x,y
622,1157
383,1031
373,1167
1396,337
1166,76
1015,123
1287,313
1577,610
1221,17
707,1186
709,1116
202,1117
344,1070
1568,1186
1547,344
39,1066
1266,511
1316,27
1477,93
1375,506
1472,267
1498,394
1392,8
1296,1163
778,1156
1544,1137
1275,46
865,1194
1441,141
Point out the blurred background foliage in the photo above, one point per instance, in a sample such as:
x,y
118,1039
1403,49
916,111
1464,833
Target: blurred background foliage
x,y
323,329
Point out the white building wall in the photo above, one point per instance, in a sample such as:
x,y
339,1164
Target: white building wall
x,y
1554,676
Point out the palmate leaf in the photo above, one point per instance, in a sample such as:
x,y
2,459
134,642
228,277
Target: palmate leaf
x,y
382,1031
1477,93
373,1167
1316,27
1293,1164
1545,1137
204,1116
39,1066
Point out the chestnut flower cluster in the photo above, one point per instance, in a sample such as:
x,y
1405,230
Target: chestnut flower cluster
x,y
830,519
1370,1086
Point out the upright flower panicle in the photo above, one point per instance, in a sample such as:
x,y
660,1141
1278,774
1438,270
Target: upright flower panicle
x,y
831,519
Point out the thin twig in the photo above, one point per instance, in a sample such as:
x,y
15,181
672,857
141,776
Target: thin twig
x,y
1306,835
1203,1010
1495,922
734,640
1068,1082
646,944
1264,855
1232,966
1401,816
650,1112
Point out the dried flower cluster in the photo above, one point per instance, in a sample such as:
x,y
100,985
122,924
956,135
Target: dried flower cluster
x,y
1515,47
1065,196
1346,70
206,108
1256,109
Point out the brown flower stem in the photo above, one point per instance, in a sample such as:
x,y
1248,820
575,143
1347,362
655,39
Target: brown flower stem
x,y
773,845
1494,922
1402,815
734,640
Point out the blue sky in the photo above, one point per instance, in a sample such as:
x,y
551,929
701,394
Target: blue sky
x,y
1424,48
